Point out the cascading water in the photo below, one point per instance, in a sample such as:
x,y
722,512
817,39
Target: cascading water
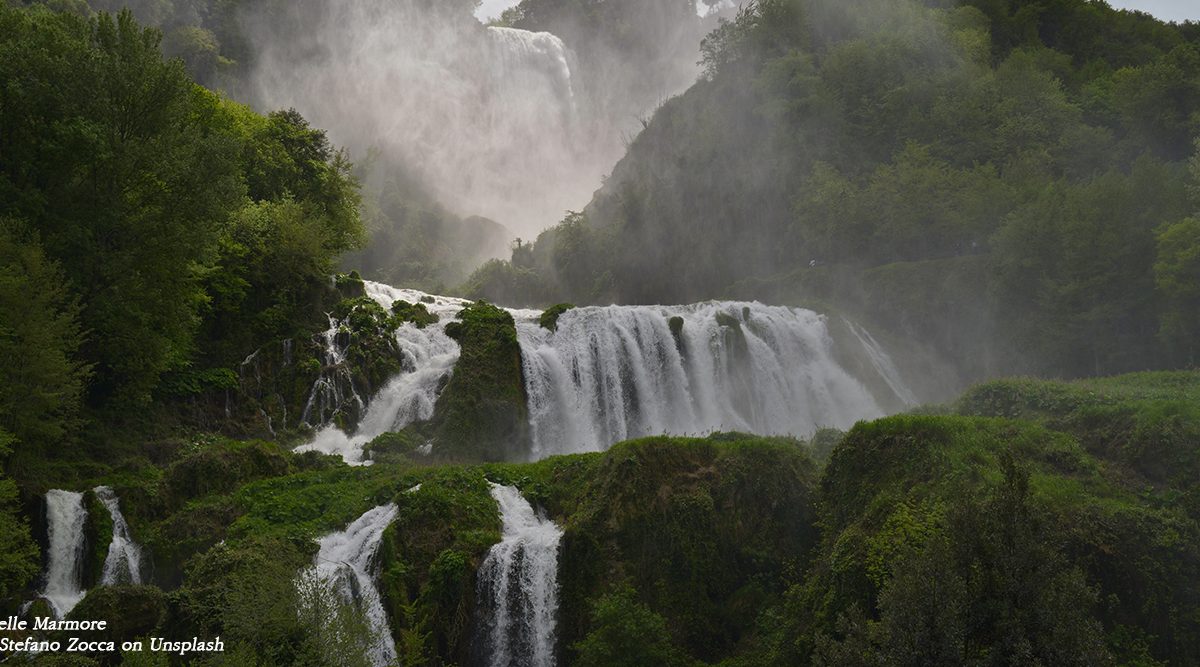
x,y
334,388
123,564
883,364
345,571
518,586
536,57
612,373
66,517
429,356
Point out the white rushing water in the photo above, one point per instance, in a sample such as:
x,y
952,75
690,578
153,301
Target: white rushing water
x,y
612,373
518,586
123,564
345,571
429,357
66,517
524,58
334,388
617,372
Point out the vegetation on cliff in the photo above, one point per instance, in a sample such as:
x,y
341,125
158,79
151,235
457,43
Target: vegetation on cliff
x,y
1006,180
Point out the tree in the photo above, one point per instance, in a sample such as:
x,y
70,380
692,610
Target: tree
x,y
111,155
19,561
1177,278
41,378
626,632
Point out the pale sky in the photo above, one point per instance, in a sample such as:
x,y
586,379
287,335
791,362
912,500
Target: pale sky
x,y
490,9
1167,10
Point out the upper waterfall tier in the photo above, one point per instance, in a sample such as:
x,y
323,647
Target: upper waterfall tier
x,y
611,373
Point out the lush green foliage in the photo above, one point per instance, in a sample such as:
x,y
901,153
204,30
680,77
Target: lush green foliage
x,y
40,378
18,552
549,317
154,233
952,540
481,413
627,634
1025,163
1040,143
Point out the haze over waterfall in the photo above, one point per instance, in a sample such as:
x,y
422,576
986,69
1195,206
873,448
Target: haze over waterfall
x,y
486,116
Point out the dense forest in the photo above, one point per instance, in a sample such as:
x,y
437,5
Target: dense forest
x,y
1012,186
1008,179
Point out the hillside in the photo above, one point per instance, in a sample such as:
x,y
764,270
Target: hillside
x,y
1008,182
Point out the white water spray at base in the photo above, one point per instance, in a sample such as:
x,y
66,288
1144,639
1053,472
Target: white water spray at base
x,y
518,586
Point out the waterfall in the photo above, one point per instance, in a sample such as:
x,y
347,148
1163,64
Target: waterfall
x,y
345,571
617,372
518,586
883,364
536,57
66,517
612,373
334,388
429,357
122,565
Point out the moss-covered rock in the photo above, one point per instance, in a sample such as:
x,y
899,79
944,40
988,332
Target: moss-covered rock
x,y
349,285
430,555
481,414
549,317
245,592
372,354
705,530
416,313
274,384
97,536
395,447
220,466
131,612
1012,517
1147,421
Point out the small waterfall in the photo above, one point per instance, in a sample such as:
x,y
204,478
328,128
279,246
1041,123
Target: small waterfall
x,y
883,364
334,388
345,571
66,517
518,586
429,356
122,565
612,373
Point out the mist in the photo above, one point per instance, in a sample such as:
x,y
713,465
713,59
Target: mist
x,y
508,124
